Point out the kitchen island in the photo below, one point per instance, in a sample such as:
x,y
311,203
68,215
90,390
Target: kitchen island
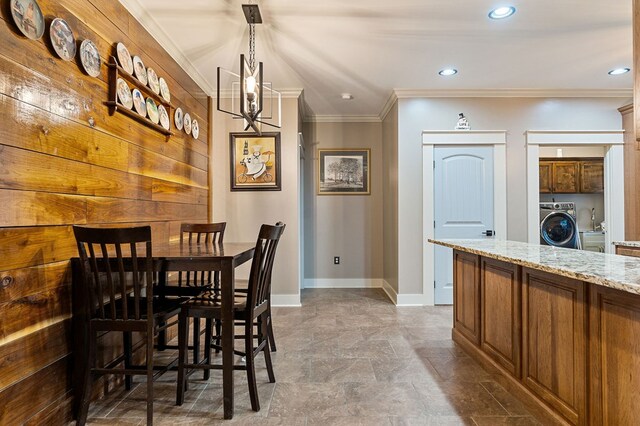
x,y
561,327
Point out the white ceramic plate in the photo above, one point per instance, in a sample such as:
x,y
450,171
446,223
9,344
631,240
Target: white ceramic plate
x,y
164,117
164,90
139,70
124,93
62,39
195,129
187,123
153,80
139,103
90,58
28,18
152,110
178,118
124,58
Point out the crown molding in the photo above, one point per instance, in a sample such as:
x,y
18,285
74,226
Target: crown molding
x,y
342,119
386,108
626,108
513,93
157,32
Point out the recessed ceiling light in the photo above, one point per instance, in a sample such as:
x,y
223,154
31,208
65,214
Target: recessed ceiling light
x,y
347,96
448,71
502,12
619,71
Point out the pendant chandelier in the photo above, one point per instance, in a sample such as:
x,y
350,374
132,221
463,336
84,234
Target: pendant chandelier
x,y
252,99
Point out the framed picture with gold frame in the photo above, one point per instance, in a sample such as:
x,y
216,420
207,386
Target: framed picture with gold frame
x,y
255,161
344,171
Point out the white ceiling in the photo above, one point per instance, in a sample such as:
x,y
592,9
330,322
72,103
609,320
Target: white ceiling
x,y
369,48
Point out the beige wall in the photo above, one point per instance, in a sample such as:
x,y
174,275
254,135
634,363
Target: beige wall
x,y
244,212
348,226
516,115
390,197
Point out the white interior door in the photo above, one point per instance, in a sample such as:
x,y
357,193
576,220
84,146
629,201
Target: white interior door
x,y
463,205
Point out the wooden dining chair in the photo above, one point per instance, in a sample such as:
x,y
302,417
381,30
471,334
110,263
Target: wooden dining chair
x,y
247,310
116,270
268,318
192,283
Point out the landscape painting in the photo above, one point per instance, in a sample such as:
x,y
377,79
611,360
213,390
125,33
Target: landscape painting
x,y
343,172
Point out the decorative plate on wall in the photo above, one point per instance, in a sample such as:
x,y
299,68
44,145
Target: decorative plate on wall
x,y
178,118
152,110
124,58
164,117
62,39
164,90
195,129
187,123
28,18
139,103
90,58
124,93
153,80
139,70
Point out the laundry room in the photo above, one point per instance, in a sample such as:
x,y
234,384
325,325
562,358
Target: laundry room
x,y
572,197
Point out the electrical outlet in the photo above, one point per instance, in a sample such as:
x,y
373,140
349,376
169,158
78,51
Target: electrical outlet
x,y
336,260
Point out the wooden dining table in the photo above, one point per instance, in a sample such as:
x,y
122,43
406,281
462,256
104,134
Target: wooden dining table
x,y
171,257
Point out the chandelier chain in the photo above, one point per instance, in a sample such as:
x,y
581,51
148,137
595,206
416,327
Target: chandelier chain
x,y
252,48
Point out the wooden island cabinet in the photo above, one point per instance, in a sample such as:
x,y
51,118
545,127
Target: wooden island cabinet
x,y
561,327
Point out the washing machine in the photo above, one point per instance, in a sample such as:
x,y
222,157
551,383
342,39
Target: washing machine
x,y
558,226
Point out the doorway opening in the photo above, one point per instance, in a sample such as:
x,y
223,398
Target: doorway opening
x,y
578,153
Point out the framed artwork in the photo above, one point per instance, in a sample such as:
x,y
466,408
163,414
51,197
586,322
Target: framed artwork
x,y
255,161
344,171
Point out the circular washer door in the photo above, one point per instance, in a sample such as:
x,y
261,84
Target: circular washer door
x,y
558,229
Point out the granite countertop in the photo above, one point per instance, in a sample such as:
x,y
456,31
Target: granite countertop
x,y
626,243
608,270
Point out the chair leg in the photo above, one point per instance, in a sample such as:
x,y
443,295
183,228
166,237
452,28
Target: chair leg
x,y
183,344
83,406
128,358
207,347
272,340
251,367
218,334
196,340
264,324
149,379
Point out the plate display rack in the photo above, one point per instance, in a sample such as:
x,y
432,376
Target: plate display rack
x,y
115,72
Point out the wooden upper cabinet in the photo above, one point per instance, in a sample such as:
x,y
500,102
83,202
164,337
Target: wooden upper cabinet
x,y
571,175
591,176
546,181
565,176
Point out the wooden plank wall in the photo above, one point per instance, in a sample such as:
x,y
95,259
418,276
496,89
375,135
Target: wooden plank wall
x,y
57,170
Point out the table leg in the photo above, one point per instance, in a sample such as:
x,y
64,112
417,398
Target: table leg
x,y
227,290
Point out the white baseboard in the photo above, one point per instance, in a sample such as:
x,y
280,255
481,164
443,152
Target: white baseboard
x,y
403,299
391,292
411,300
343,283
289,300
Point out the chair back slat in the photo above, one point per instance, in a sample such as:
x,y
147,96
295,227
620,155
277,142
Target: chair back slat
x,y
209,233
262,265
117,269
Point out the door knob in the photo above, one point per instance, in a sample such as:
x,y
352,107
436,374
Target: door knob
x,y
488,233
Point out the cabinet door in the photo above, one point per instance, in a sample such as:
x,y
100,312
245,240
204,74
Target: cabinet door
x,y
500,293
615,357
466,295
553,339
545,171
592,176
565,176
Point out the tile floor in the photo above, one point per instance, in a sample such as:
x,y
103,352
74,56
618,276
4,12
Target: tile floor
x,y
347,357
